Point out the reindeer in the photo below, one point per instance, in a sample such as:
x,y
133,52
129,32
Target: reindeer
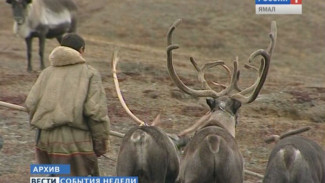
x,y
146,151
212,155
295,159
42,19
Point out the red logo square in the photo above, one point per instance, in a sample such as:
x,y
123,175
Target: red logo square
x,y
295,1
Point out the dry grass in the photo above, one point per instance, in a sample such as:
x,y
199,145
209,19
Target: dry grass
x,y
293,95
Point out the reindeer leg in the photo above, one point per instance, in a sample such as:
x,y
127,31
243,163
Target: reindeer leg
x,y
28,41
41,50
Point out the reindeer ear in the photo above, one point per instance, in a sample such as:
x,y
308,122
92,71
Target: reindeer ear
x,y
211,103
236,105
9,1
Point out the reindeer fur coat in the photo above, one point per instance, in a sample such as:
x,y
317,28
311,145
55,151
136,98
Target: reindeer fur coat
x,y
67,99
69,92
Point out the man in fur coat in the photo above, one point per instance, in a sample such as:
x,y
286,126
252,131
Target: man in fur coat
x,y
67,105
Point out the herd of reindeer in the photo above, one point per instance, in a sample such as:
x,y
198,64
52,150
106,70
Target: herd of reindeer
x,y
210,153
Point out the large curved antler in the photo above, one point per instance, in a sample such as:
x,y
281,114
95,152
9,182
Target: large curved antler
x,y
207,92
201,72
115,60
253,90
257,86
269,50
273,36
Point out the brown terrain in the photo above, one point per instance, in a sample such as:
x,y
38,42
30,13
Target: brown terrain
x,y
293,95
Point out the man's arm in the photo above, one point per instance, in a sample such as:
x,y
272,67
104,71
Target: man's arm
x,y
95,109
33,97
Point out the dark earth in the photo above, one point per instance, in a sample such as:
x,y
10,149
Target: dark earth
x,y
293,95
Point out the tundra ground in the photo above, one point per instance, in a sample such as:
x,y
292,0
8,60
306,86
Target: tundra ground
x,y
292,97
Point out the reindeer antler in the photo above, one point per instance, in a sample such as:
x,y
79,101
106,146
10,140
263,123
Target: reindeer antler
x,y
208,92
276,138
201,72
196,125
269,50
233,85
257,86
115,60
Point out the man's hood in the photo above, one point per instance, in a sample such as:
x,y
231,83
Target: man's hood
x,y
63,55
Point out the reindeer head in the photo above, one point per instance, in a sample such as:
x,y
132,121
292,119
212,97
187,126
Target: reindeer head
x,y
19,9
225,103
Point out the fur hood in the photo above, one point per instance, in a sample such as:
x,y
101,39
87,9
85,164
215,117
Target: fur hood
x,y
63,55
